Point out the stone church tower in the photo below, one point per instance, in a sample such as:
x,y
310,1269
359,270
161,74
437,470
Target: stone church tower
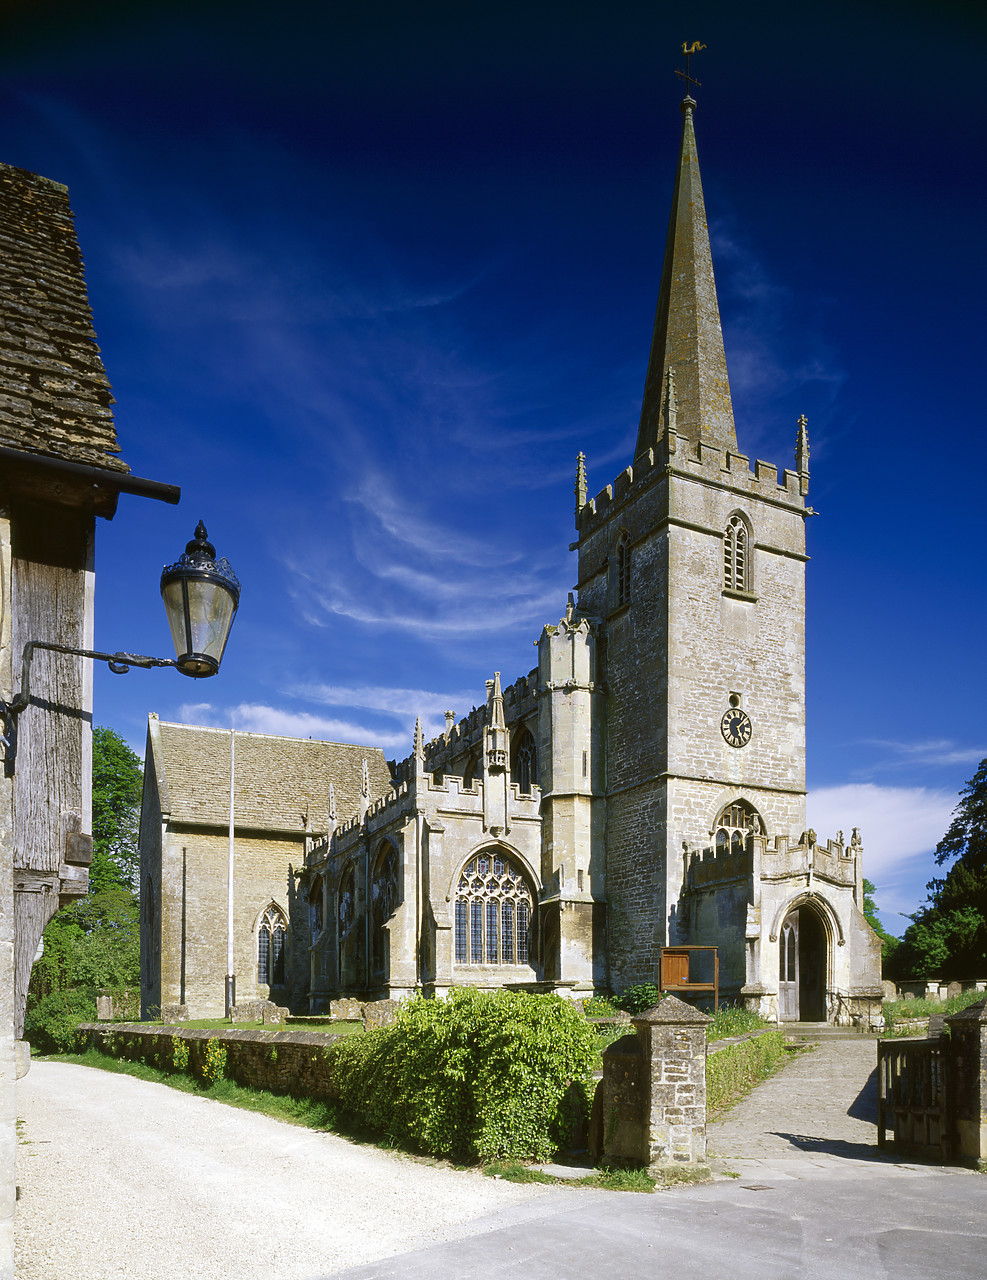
x,y
694,564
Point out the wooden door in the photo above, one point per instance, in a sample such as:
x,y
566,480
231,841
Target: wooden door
x,y
788,970
674,968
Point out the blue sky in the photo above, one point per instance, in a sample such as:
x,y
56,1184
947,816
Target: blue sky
x,y
367,277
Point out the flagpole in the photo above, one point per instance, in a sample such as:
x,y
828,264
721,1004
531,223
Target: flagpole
x,y
230,975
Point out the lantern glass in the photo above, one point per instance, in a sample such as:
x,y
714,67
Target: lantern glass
x,y
204,630
200,594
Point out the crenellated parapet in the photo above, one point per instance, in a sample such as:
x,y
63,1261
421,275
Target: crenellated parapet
x,y
783,857
674,454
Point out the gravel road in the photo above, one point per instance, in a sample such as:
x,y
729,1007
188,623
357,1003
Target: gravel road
x,y
119,1177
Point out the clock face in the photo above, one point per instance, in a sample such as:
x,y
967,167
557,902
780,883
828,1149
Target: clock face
x,y
735,726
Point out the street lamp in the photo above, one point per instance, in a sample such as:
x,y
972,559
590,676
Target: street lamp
x,y
201,594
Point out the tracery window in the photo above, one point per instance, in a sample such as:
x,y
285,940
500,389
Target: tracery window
x,y
523,770
493,912
735,824
736,555
271,935
383,900
623,577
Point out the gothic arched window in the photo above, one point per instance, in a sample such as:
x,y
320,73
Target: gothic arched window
x,y
316,916
736,823
346,909
271,934
523,770
623,572
736,555
493,911
383,900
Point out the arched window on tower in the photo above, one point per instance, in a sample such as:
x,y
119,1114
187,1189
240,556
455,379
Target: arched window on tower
x,y
736,555
383,900
271,935
623,572
734,827
523,761
493,911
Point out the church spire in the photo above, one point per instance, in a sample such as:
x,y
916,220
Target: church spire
x,y
687,335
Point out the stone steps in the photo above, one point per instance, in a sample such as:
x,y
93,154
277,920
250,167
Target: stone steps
x,y
817,1032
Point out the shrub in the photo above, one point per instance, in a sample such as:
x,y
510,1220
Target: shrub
x,y
599,1007
733,1071
179,1054
214,1063
644,995
733,1020
51,1022
477,1076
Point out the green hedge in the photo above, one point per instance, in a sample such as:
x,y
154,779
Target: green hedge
x,y
735,1070
51,1022
476,1076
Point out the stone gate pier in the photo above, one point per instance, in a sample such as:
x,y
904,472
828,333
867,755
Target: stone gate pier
x,y
650,1107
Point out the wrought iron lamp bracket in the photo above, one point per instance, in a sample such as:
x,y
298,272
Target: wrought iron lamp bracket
x,y
119,664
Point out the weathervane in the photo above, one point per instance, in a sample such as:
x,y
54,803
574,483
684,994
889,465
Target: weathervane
x,y
689,49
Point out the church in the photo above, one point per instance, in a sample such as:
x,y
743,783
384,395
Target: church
x,y
642,788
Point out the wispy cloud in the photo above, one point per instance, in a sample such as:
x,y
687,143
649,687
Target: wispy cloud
x,y
900,828
404,705
932,752
258,718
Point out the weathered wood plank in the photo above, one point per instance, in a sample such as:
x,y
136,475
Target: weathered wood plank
x,y
51,600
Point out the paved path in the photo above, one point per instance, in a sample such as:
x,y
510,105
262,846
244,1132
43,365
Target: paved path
x,y
817,1117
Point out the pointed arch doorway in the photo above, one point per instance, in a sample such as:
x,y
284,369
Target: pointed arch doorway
x,y
802,953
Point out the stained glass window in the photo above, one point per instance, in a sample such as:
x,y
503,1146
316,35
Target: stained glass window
x,y
493,912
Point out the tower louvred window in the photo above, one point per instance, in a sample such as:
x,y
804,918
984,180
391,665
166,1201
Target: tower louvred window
x,y
734,826
493,912
736,556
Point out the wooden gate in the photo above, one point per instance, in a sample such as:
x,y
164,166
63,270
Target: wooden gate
x,y
914,1097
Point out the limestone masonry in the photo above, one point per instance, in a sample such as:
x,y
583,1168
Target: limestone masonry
x,y
643,787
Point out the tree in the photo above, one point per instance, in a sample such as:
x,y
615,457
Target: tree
x,y
888,941
117,786
94,943
949,936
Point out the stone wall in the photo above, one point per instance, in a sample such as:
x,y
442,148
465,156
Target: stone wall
x,y
292,1062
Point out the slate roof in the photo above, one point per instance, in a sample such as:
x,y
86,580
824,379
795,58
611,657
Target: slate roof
x,y
279,781
54,394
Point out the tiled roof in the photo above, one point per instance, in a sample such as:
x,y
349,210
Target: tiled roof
x,y
279,781
54,395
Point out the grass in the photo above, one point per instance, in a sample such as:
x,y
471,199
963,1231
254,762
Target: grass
x,y
902,1010
732,1020
348,1028
610,1179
